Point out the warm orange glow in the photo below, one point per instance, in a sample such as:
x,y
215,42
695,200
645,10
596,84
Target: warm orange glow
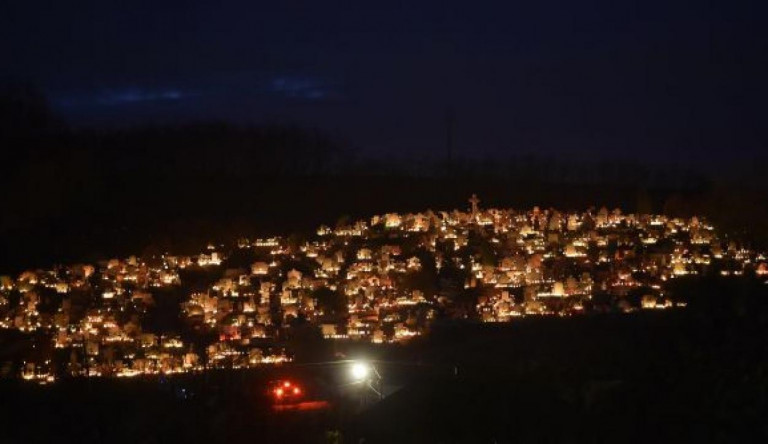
x,y
311,405
296,391
278,392
540,263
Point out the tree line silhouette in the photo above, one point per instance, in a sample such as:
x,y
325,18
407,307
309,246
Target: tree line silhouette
x,y
73,194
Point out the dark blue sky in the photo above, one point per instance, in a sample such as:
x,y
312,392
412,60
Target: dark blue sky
x,y
660,79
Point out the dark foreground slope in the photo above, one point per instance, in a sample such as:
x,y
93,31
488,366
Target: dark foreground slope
x,y
685,376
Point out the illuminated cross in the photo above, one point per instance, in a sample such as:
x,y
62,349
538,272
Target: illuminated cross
x,y
474,201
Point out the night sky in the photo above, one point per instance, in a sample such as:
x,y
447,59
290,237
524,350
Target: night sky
x,y
651,79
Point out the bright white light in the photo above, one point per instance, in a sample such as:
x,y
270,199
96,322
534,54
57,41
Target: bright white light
x,y
360,371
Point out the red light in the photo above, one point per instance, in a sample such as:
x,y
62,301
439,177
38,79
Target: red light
x,y
286,384
278,392
296,391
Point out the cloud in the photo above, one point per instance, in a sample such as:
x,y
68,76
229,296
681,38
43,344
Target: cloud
x,y
138,95
118,97
300,88
253,86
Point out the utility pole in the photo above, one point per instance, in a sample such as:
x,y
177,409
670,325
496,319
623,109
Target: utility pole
x,y
449,122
